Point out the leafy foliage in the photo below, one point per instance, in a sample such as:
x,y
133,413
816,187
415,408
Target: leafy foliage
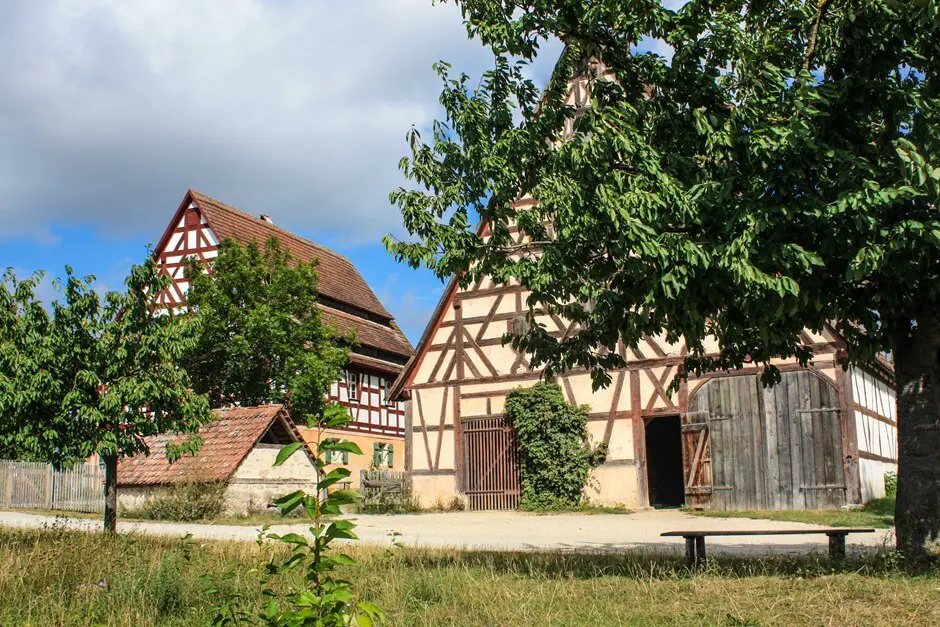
x,y
193,500
891,485
93,375
555,458
752,185
323,600
260,335
779,171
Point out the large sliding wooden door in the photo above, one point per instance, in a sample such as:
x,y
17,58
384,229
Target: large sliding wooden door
x,y
764,448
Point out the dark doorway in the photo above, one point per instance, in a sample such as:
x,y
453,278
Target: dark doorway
x,y
664,462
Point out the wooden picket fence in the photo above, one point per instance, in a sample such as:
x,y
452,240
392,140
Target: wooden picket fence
x,y
36,485
376,484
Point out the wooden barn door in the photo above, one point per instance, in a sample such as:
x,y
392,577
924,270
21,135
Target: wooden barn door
x,y
769,448
804,441
491,464
730,407
697,459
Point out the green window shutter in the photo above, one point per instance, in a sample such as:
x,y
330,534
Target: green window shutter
x,y
376,454
345,456
390,457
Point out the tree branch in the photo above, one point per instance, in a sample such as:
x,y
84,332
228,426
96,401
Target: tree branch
x,y
814,33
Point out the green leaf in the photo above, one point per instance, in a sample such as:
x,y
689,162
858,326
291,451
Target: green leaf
x,y
291,538
286,451
349,447
334,476
286,504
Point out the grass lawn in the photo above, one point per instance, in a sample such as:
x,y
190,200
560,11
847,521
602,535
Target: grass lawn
x,y
254,520
878,514
69,578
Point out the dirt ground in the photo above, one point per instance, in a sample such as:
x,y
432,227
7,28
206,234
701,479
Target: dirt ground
x,y
514,531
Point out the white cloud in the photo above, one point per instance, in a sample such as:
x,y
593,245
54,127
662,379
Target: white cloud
x,y
111,109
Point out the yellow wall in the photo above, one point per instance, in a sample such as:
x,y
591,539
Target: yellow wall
x,y
365,442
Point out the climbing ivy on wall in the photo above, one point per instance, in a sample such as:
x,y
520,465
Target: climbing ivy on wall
x,y
555,456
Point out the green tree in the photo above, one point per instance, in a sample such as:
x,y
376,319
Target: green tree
x,y
260,337
778,171
93,375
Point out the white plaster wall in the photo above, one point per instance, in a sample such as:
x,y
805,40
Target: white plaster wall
x,y
872,478
259,464
874,436
133,497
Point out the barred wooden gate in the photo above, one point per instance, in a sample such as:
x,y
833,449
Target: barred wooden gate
x,y
491,464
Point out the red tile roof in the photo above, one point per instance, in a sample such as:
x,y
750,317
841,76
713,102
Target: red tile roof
x,y
227,439
368,333
339,279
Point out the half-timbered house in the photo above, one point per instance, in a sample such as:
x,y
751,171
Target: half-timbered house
x,y
823,437
197,230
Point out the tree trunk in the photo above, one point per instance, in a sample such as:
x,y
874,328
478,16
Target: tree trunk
x,y
917,368
110,493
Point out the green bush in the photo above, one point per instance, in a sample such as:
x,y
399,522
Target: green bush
x,y
184,502
555,457
390,503
891,485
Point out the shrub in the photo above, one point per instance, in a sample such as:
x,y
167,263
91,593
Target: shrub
x,y
891,485
455,504
197,500
555,457
390,503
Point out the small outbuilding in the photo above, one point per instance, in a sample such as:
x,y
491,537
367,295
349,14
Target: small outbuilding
x,y
239,448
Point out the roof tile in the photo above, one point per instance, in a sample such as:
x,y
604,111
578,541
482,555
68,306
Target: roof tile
x,y
339,279
227,438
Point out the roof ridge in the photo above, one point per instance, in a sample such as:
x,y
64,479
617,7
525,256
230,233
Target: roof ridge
x,y
269,225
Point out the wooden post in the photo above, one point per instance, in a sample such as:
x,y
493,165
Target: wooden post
x,y
639,441
695,551
836,546
700,551
409,435
110,493
853,483
460,465
8,469
690,551
50,484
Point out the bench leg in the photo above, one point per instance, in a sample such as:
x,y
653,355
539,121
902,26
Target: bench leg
x,y
695,551
700,550
836,546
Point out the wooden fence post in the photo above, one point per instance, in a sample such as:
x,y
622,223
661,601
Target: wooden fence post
x,y
50,484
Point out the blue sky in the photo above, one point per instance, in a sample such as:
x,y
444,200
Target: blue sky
x,y
294,108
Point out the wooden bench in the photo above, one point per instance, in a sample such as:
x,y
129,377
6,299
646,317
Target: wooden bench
x,y
695,540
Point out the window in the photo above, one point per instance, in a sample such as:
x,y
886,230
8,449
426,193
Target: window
x,y
383,390
336,457
383,455
519,325
352,385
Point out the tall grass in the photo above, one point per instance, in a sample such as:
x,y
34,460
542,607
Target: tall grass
x,y
55,577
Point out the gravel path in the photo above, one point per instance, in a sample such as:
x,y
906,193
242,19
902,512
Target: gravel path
x,y
511,531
